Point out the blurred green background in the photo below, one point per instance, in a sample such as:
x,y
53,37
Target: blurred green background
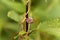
x,y
46,14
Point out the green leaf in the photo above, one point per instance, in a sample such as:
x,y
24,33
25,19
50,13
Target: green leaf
x,y
19,7
13,15
51,27
47,11
22,32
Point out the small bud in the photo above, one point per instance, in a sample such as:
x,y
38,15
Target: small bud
x,y
29,20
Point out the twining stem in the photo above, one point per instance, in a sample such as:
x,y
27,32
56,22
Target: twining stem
x,y
27,16
26,26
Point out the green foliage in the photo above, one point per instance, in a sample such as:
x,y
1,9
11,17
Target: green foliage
x,y
14,16
46,12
